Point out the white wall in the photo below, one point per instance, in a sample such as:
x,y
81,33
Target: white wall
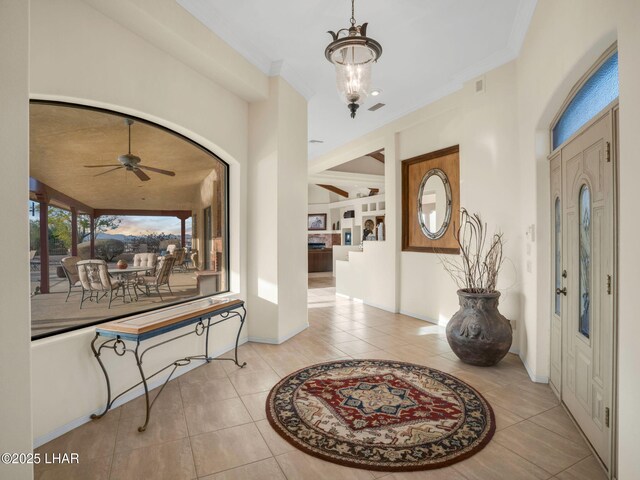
x,y
629,232
15,355
278,214
318,194
89,56
484,127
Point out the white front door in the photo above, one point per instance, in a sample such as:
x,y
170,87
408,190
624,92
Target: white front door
x,y
582,289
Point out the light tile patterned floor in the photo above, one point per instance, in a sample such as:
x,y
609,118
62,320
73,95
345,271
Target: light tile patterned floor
x,y
213,425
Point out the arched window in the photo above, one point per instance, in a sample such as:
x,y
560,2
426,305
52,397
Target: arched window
x,y
600,89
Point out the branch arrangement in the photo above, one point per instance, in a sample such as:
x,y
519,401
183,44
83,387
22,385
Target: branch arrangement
x,y
476,269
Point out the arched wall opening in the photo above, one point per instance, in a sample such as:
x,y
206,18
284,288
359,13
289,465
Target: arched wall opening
x,y
80,180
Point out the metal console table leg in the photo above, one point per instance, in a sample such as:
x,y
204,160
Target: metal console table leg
x,y
119,347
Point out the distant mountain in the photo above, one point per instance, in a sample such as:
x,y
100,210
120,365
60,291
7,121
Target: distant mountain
x,y
127,238
108,236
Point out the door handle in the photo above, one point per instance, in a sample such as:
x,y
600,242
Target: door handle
x,y
562,291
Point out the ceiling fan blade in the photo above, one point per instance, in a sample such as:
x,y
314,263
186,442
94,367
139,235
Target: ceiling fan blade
x,y
107,171
158,170
100,166
141,175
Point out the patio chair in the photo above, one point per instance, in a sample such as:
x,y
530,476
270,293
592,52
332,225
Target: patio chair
x,y
33,265
171,248
161,278
70,268
194,259
180,254
95,280
146,260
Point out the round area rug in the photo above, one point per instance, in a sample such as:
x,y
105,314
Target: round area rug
x,y
380,415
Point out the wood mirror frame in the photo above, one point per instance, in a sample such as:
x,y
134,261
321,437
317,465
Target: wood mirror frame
x,y
413,171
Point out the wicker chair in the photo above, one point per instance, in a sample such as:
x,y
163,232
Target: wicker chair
x,y
69,265
95,280
161,278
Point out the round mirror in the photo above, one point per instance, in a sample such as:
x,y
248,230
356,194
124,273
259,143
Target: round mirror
x,y
434,203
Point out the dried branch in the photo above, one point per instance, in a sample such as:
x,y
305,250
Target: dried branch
x,y
476,269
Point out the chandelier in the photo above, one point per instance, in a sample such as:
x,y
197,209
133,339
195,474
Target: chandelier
x,y
353,54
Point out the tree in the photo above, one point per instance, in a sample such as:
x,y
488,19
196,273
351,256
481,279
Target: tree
x,y
60,225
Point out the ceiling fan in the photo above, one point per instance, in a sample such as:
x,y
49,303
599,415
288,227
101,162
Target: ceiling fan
x,y
131,162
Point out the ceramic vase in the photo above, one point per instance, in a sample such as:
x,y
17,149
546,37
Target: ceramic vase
x,y
478,333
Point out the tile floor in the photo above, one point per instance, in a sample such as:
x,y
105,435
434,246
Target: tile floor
x,y
210,423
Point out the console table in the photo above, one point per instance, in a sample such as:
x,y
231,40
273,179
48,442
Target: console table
x,y
126,335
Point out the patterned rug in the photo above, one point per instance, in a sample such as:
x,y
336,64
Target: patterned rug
x,y
380,415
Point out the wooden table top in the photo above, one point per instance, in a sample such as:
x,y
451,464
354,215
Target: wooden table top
x,y
166,317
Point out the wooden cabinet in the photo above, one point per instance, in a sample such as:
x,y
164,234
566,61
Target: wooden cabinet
x,y
320,260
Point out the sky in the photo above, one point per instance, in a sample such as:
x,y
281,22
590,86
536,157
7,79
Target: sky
x,y
141,225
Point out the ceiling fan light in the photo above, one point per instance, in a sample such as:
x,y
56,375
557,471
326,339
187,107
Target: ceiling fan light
x,y
129,159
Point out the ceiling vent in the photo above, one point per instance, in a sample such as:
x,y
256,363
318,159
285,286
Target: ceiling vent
x,y
316,141
377,106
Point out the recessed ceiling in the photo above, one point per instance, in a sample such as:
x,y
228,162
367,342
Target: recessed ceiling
x,y
64,139
430,48
366,165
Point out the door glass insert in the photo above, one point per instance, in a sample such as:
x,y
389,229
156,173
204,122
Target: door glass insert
x,y
597,92
558,256
585,261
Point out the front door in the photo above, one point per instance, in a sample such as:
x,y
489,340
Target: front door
x,y
583,269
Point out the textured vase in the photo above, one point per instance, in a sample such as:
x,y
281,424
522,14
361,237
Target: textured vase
x,y
122,264
478,334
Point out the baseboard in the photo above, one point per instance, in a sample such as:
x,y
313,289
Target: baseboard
x,y
381,307
421,317
280,339
61,430
534,378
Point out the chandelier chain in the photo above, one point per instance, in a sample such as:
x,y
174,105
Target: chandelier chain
x,y
353,12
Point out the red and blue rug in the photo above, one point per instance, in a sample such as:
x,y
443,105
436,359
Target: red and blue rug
x,y
380,415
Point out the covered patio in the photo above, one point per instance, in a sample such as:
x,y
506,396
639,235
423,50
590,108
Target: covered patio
x,y
50,309
70,146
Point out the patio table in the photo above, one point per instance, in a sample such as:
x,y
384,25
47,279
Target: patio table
x,y
125,274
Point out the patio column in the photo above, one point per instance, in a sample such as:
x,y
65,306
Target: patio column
x,y
44,247
183,232
74,232
92,236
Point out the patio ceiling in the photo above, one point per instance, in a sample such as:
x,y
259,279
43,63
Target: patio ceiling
x,y
64,139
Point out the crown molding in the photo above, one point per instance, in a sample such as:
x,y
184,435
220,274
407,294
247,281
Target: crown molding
x,y
526,9
283,69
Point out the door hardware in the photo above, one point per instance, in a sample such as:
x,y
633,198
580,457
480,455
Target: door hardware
x,y
606,416
562,291
564,274
609,284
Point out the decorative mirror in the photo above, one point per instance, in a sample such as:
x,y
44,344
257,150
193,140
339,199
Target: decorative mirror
x,y
434,203
430,201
